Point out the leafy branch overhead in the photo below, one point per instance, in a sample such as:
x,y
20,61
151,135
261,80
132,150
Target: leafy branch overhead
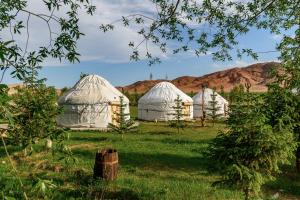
x,y
210,26
62,40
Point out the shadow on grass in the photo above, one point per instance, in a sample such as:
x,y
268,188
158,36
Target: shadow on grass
x,y
185,141
88,139
160,132
11,150
160,161
156,161
86,187
287,183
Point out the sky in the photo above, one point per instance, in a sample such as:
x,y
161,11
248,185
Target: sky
x,y
107,54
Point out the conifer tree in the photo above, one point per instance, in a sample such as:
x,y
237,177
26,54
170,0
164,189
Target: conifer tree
x,y
178,121
250,152
222,92
202,103
123,124
136,97
213,108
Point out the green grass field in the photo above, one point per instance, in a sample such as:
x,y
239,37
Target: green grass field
x,y
155,163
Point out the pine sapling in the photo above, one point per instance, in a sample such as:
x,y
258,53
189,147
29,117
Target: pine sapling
x,y
123,124
250,151
178,121
213,110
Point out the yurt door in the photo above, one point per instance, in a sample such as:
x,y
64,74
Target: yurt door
x,y
115,110
186,110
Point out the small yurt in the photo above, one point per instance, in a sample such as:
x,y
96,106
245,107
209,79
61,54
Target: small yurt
x,y
92,103
202,99
158,102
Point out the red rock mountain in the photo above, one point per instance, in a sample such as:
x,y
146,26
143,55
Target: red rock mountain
x,y
258,75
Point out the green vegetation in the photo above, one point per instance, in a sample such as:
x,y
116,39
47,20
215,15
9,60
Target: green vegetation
x,y
177,121
155,163
123,124
34,111
251,151
213,108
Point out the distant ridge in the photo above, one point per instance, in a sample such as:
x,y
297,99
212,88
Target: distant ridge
x,y
258,75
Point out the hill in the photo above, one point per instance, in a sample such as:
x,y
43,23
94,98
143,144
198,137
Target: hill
x,y
258,75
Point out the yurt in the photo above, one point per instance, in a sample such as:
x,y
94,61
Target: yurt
x,y
92,103
202,99
158,102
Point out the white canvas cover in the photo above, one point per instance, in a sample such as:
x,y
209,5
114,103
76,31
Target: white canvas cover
x,y
222,103
89,104
157,103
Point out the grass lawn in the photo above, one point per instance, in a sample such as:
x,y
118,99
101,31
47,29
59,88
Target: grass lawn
x,y
155,163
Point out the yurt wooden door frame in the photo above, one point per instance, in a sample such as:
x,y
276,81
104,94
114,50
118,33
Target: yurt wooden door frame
x,y
186,111
115,110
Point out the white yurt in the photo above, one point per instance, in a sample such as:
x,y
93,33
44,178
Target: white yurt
x,y
205,97
158,103
92,103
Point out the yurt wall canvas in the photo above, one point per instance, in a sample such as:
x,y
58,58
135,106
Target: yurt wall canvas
x,y
91,103
202,99
158,103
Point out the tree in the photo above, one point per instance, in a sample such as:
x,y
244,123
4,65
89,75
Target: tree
x,y
220,24
136,97
213,108
202,104
62,42
222,92
251,151
34,111
82,75
123,124
64,90
178,121
282,108
4,102
235,94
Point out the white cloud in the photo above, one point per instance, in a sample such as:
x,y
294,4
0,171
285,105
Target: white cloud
x,y
110,47
238,63
277,37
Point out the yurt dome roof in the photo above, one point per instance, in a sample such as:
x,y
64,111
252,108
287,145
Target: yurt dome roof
x,y
164,92
91,89
207,97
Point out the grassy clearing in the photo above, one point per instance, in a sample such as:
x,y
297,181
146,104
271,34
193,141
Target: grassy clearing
x,y
155,163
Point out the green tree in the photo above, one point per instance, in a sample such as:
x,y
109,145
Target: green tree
x,y
203,106
213,108
178,121
283,106
61,42
34,111
4,102
82,75
136,97
251,151
222,92
235,94
123,124
64,90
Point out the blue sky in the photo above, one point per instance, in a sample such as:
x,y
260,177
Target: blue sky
x,y
108,54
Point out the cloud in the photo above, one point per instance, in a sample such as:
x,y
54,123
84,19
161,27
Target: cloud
x,y
277,37
110,47
238,63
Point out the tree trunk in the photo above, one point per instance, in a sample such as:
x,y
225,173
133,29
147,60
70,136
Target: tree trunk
x,y
298,151
246,193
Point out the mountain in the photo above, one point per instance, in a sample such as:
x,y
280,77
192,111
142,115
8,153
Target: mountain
x,y
258,75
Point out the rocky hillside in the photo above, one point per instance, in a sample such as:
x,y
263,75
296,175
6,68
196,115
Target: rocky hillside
x,y
258,75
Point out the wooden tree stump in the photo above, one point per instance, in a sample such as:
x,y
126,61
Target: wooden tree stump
x,y
106,164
